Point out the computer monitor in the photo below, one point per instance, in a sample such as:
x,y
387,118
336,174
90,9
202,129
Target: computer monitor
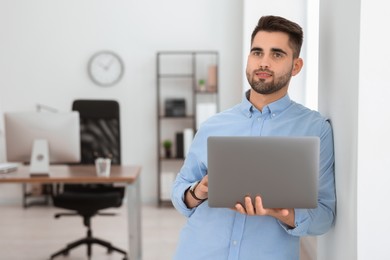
x,y
41,138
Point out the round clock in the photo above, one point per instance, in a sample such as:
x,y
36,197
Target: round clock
x,y
105,68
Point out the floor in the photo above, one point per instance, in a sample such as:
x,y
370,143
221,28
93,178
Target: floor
x,y
39,234
34,234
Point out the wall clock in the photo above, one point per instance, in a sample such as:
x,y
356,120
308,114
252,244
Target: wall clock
x,y
105,68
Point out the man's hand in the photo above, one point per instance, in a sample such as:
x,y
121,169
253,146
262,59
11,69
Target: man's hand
x,y
285,215
201,191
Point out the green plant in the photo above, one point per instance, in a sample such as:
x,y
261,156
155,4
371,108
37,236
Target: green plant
x,y
201,82
167,144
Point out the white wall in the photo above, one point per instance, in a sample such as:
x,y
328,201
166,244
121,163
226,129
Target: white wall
x,y
45,46
338,98
354,91
374,128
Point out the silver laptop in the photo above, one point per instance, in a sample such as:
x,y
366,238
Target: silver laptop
x,y
283,170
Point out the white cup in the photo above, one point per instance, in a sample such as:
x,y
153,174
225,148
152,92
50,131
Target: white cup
x,y
103,167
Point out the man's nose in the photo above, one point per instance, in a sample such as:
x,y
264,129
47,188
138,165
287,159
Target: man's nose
x,y
264,62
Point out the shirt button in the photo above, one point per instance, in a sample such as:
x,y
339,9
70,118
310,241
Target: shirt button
x,y
234,242
273,115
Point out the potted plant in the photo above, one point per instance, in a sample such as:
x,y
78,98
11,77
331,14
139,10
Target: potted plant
x,y
167,144
202,85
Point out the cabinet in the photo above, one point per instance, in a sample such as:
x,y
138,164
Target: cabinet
x,y
187,94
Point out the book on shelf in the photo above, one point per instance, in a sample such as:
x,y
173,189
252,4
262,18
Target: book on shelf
x,y
188,135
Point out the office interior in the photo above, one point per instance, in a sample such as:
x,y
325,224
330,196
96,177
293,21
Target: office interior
x,y
45,47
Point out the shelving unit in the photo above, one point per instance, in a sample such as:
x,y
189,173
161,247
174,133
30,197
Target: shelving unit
x,y
178,76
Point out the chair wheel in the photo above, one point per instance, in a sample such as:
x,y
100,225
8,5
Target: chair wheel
x,y
66,253
125,258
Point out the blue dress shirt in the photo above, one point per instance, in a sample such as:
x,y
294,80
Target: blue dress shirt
x,y
224,234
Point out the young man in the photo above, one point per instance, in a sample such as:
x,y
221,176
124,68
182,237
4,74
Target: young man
x,y
250,231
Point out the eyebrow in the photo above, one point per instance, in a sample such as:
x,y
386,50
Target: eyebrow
x,y
272,49
278,50
256,49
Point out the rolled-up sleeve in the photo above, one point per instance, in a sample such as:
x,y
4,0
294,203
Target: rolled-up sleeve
x,y
319,220
192,170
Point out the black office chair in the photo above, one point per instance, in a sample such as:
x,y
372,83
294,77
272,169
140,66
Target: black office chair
x,y
100,137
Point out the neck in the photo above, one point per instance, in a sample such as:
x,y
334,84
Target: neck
x,y
260,100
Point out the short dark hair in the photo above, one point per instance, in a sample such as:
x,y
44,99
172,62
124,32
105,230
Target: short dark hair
x,y
280,24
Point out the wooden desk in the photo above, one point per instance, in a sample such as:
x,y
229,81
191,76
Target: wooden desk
x,y
87,174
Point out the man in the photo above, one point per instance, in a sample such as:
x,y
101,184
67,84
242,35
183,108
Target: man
x,y
250,231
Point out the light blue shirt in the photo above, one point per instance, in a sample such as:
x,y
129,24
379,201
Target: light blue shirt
x,y
224,234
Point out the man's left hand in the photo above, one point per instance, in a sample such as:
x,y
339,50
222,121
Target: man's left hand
x,y
285,215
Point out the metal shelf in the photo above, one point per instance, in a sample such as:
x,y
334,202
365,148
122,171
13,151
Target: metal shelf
x,y
195,64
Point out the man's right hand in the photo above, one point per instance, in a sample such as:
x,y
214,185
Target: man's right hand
x,y
201,192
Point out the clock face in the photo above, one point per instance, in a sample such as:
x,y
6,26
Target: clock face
x,y
105,68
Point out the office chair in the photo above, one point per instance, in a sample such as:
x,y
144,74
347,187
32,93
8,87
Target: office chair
x,y
100,137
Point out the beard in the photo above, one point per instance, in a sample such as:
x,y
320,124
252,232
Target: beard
x,y
261,87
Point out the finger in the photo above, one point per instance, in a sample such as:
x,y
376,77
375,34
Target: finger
x,y
250,210
202,188
284,212
240,208
203,185
205,180
260,210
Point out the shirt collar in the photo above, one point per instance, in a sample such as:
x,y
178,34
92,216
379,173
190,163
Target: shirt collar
x,y
273,108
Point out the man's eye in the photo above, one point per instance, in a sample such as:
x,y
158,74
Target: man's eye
x,y
256,53
278,55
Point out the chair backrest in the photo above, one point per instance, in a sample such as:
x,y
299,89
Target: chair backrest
x,y
99,130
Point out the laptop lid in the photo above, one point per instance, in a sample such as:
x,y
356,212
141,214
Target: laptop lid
x,y
283,170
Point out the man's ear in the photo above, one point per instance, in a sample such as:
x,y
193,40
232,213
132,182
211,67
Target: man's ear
x,y
298,64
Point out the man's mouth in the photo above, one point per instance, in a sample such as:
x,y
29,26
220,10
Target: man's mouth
x,y
263,74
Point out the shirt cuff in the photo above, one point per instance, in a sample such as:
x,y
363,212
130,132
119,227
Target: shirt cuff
x,y
179,203
301,223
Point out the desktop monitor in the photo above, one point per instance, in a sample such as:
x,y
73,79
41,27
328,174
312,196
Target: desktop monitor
x,y
41,138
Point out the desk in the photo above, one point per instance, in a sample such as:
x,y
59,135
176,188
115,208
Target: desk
x,y
87,174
